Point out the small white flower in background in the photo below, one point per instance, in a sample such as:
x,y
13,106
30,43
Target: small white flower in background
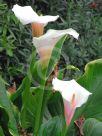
x,y
45,43
27,15
73,94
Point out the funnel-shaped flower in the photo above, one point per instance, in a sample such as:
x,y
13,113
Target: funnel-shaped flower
x,y
45,44
73,94
27,15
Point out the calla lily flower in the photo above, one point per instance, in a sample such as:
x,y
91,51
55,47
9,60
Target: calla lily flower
x,y
73,94
27,15
45,44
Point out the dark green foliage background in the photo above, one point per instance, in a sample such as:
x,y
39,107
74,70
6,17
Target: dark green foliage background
x,y
16,40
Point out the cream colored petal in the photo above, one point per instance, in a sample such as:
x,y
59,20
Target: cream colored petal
x,y
68,88
25,14
52,37
81,94
69,31
47,18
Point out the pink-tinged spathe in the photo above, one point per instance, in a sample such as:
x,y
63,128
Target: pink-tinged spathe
x,y
73,94
45,43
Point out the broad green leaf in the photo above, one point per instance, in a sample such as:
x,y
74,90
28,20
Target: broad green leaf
x,y
53,127
6,105
1,131
92,81
55,104
28,113
92,127
31,108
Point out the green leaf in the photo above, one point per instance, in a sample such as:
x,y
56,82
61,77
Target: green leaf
x,y
3,81
1,131
21,88
53,127
62,71
92,127
55,56
29,110
9,52
6,104
92,81
55,104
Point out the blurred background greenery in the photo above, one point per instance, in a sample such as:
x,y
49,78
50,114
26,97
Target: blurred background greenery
x,y
85,16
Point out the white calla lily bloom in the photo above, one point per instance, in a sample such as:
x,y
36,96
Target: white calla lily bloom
x,y
70,88
73,94
27,15
45,43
